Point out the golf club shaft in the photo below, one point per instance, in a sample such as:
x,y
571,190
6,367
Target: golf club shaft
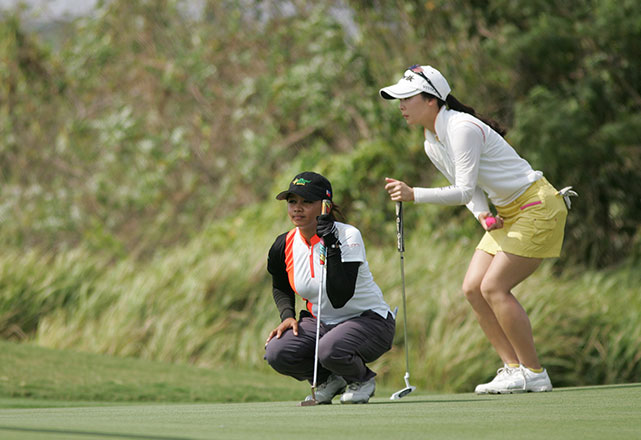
x,y
401,249
325,208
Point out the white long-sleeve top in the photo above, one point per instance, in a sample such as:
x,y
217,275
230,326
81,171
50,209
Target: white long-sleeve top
x,y
476,160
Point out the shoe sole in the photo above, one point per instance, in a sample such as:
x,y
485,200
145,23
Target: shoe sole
x,y
351,402
535,390
329,402
507,392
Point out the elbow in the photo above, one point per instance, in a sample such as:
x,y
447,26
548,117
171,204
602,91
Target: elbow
x,y
339,296
467,194
337,304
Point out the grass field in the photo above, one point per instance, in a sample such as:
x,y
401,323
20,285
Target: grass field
x,y
49,376
571,413
54,394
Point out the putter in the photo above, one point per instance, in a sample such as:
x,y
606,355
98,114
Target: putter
x,y
325,207
401,248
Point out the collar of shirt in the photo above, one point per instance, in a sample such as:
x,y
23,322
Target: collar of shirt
x,y
440,123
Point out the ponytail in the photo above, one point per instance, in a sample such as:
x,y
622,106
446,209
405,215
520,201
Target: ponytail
x,y
454,104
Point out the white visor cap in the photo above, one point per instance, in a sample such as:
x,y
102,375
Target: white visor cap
x,y
415,80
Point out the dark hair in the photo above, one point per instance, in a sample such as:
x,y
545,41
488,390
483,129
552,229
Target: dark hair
x,y
455,104
336,214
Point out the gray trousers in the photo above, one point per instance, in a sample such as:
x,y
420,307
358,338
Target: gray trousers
x,y
343,349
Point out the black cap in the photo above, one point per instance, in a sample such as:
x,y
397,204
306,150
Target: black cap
x,y
310,186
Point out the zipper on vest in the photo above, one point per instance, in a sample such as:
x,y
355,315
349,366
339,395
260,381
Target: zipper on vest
x,y
311,260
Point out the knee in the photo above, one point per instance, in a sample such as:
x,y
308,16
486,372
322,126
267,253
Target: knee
x,y
271,355
277,357
491,291
472,291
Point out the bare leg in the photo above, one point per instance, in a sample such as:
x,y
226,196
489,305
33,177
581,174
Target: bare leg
x,y
476,271
504,272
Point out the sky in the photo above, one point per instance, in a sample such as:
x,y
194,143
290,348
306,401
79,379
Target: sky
x,y
52,10
45,10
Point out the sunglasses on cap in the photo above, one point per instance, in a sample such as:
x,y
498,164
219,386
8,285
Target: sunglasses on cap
x,y
417,69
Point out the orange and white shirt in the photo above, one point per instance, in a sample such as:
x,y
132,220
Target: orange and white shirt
x,y
292,258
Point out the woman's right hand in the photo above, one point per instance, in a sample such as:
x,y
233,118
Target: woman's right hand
x,y
398,190
278,331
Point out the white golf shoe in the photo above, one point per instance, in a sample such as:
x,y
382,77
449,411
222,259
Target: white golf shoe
x,y
333,386
536,382
503,377
359,392
510,380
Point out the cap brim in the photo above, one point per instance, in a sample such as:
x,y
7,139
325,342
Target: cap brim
x,y
398,91
307,195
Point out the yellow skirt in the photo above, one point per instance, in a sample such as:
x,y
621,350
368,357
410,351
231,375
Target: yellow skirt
x,y
533,224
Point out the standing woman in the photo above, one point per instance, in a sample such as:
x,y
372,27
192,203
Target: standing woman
x,y
477,161
357,325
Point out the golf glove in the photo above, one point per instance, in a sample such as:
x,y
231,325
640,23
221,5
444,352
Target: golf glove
x,y
326,229
566,193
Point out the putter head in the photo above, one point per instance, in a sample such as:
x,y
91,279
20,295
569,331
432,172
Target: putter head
x,y
402,393
310,402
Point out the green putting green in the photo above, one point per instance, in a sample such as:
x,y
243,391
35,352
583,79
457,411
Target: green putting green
x,y
568,413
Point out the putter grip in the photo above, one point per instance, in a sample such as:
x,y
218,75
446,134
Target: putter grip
x,y
399,227
325,208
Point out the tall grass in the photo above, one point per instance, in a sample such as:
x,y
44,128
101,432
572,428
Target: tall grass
x,y
206,302
585,323
209,302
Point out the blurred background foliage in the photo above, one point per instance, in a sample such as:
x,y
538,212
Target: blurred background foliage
x,y
144,122
149,137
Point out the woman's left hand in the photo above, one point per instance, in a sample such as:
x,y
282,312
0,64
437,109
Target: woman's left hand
x,y
399,191
490,226
282,328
